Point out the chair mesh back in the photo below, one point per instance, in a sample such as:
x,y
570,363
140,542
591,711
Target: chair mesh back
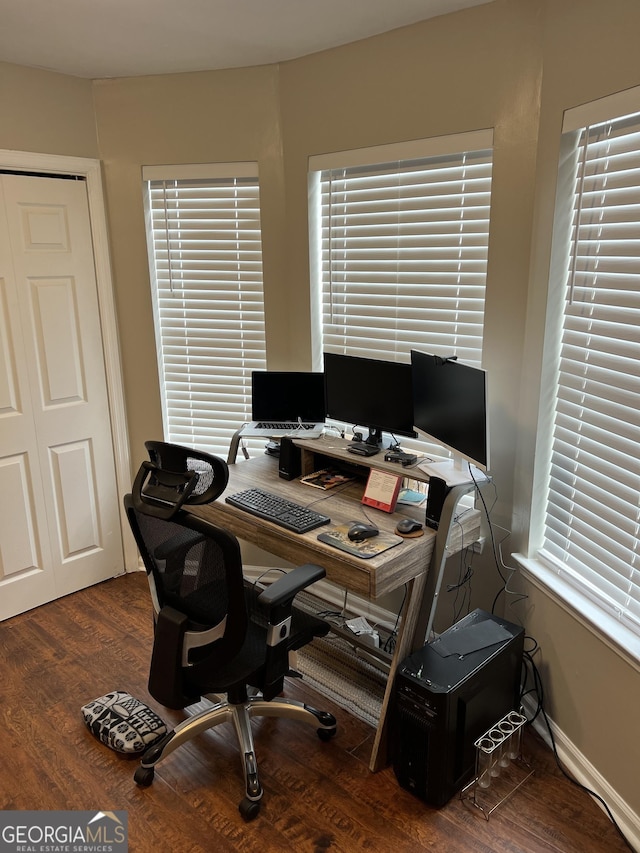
x,y
188,569
197,570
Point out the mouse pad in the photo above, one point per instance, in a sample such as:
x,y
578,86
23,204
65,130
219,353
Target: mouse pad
x,y
337,536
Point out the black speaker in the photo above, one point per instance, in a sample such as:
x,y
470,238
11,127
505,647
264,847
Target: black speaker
x,y
290,465
435,499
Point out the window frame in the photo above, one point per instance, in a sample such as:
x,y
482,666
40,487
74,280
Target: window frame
x,y
545,571
438,150
228,363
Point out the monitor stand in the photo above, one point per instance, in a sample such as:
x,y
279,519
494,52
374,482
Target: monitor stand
x,y
361,448
370,446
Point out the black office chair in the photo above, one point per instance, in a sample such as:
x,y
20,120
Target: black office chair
x,y
215,632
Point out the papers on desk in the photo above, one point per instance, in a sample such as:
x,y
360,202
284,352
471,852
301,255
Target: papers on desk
x,y
328,478
411,497
337,536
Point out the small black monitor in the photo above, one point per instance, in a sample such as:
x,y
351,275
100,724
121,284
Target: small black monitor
x,y
281,395
369,393
450,406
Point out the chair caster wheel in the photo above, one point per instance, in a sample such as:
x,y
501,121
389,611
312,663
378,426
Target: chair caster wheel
x,y
143,776
249,809
326,734
325,718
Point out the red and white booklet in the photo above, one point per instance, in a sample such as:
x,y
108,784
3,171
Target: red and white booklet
x,y
382,490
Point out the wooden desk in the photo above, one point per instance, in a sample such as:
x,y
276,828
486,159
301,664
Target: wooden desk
x,y
407,563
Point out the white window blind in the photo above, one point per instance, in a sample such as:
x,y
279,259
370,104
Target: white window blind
x,y
400,251
206,271
592,527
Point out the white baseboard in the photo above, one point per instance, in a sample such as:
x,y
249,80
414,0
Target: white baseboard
x,y
575,763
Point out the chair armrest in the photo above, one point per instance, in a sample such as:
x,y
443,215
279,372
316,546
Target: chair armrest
x,y
278,597
289,585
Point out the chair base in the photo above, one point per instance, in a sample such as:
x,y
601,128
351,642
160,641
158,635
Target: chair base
x,y
240,714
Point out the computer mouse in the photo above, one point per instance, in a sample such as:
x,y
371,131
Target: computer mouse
x,y
359,531
407,526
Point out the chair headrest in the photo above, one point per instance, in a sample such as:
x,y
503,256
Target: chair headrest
x,y
177,475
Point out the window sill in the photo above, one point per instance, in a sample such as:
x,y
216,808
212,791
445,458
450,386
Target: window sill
x,y
613,633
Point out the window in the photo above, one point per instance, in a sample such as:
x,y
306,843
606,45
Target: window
x,y
399,237
591,529
203,227
400,247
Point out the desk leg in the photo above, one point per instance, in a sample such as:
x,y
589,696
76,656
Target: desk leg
x,y
233,448
417,619
405,643
437,566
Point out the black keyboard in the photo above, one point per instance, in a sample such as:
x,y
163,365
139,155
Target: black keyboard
x,y
285,513
284,425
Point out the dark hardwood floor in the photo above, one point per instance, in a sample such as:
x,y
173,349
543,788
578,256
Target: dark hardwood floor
x,y
318,796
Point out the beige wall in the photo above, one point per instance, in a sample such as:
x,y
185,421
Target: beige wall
x,y
512,65
422,81
185,118
47,113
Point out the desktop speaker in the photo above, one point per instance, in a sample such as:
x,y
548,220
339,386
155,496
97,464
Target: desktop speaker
x,y
446,695
436,495
290,465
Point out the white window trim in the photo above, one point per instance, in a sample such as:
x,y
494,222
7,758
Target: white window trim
x,y
545,575
200,171
414,149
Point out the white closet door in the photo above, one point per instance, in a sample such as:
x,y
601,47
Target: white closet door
x,y
59,513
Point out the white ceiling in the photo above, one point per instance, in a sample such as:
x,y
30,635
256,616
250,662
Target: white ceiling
x,y
129,38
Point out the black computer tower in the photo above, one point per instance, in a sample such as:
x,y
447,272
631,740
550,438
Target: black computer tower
x,y
446,695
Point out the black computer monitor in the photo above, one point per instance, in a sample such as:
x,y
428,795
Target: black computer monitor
x,y
450,406
369,393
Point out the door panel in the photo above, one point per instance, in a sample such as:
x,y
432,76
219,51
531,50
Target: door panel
x,y
55,331
9,402
76,493
54,413
26,569
18,527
